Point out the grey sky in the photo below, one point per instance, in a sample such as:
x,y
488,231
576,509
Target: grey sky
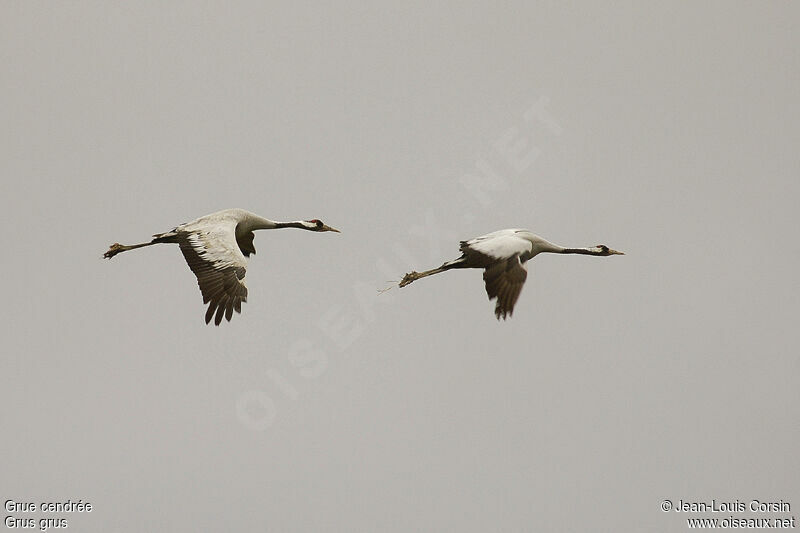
x,y
667,131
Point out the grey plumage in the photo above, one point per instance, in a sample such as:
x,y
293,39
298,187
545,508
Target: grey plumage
x,y
502,256
216,248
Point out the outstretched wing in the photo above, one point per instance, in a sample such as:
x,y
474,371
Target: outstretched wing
x,y
502,255
498,245
215,258
504,281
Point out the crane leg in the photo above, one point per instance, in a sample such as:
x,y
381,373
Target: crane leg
x,y
414,276
116,248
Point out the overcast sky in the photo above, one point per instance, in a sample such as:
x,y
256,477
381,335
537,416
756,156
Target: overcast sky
x,y
669,131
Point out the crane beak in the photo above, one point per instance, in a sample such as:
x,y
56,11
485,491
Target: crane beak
x,y
328,228
614,252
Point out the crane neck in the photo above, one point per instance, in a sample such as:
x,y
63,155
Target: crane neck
x,y
254,222
295,224
543,246
583,251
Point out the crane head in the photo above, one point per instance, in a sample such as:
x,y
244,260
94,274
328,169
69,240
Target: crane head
x,y
318,225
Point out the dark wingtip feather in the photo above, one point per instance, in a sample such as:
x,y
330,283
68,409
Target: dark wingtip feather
x,y
220,312
229,310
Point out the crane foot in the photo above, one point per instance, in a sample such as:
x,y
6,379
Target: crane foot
x,y
408,278
113,250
